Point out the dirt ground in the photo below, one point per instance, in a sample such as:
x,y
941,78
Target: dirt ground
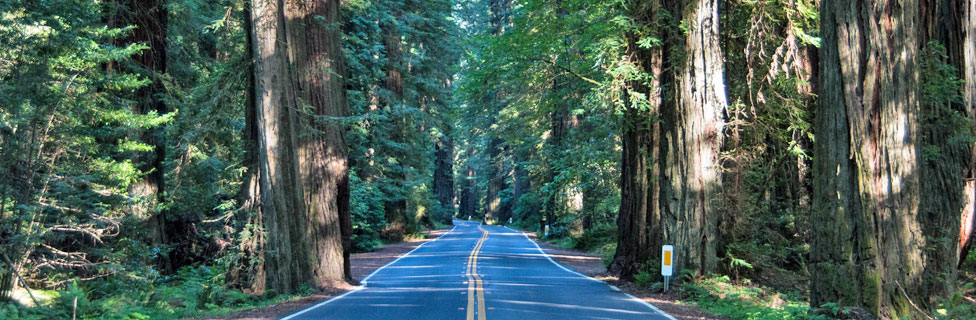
x,y
362,265
592,266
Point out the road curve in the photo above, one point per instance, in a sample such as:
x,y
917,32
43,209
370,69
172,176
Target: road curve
x,y
484,273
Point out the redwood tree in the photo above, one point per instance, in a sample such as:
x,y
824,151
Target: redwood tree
x,y
302,155
868,244
670,171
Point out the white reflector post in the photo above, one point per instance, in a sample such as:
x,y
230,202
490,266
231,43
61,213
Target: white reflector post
x,y
667,257
667,264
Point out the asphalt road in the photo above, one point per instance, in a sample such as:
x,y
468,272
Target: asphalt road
x,y
479,272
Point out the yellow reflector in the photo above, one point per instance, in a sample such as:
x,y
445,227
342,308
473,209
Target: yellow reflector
x,y
667,258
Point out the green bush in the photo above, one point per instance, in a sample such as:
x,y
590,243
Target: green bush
x,y
644,279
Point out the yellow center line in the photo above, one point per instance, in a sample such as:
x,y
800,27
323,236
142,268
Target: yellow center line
x,y
474,280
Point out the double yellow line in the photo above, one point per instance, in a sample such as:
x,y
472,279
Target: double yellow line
x,y
475,285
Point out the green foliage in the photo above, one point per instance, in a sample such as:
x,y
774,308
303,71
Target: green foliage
x,y
367,214
644,279
956,306
718,296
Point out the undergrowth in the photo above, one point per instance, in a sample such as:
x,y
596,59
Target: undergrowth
x,y
724,298
193,293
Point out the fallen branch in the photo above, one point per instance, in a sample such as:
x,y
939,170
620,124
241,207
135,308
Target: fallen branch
x,y
22,282
910,301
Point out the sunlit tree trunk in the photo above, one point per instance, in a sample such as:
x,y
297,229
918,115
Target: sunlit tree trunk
x,y
692,132
496,179
288,264
316,55
670,171
868,247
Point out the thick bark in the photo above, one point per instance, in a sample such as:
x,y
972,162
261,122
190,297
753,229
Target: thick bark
x,y
670,171
968,225
946,179
288,264
868,247
692,129
316,54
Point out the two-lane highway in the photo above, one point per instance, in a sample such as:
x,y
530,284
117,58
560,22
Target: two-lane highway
x,y
484,273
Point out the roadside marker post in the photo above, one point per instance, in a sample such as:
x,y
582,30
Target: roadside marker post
x,y
667,268
547,232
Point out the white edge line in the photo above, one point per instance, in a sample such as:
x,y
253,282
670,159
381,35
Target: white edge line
x,y
639,300
362,282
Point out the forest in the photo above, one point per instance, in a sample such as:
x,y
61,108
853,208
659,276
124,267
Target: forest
x,y
170,159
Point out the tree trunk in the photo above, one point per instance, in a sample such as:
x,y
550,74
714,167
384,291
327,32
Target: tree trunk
x,y
520,186
469,193
316,54
288,264
868,247
150,21
496,179
670,171
444,179
396,208
968,225
249,273
946,177
692,129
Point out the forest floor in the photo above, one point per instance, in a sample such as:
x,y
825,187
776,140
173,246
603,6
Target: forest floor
x,y
591,265
362,265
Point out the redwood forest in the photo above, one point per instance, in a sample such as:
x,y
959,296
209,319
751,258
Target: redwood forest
x,y
259,159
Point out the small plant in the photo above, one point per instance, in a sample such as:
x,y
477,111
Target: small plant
x,y
643,279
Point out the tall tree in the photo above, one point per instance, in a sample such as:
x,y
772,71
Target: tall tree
x,y
444,177
150,21
868,246
317,57
946,126
304,173
689,134
287,255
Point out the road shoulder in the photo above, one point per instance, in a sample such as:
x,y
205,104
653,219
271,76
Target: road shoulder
x,y
592,266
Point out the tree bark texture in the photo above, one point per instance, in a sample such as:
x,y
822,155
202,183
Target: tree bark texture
x,y
968,225
670,170
316,54
947,175
692,128
868,247
302,156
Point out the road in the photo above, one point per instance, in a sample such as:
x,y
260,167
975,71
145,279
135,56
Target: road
x,y
478,272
